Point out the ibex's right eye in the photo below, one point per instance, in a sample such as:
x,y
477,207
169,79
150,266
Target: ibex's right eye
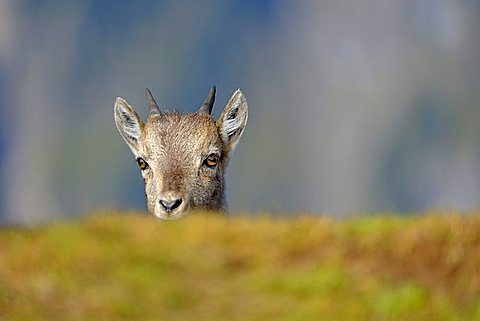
x,y
142,163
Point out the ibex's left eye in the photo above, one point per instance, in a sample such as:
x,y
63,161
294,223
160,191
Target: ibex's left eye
x,y
211,161
142,163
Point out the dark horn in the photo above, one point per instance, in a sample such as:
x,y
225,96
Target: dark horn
x,y
207,106
152,104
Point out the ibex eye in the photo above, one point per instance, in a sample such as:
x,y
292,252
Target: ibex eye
x,y
211,161
142,163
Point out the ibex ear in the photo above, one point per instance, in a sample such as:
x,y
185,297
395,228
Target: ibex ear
x,y
129,124
233,120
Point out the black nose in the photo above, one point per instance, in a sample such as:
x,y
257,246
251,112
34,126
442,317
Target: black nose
x,y
170,205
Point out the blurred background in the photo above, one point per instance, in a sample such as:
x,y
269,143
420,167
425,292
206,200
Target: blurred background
x,y
355,107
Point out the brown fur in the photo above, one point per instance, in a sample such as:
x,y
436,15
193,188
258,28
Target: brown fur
x,y
176,147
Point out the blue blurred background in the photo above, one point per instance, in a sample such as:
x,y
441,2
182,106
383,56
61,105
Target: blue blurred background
x,y
355,106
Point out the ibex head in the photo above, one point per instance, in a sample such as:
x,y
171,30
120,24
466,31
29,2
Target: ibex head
x,y
183,157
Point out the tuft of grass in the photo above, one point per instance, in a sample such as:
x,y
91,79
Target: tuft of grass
x,y
113,266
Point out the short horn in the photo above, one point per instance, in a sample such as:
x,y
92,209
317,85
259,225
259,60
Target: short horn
x,y
152,104
207,106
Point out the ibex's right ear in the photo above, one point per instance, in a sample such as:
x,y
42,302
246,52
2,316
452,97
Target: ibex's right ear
x,y
129,124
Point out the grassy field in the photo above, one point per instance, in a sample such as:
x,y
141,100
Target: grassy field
x,y
133,267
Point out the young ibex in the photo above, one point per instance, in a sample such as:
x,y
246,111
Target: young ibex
x,y
183,157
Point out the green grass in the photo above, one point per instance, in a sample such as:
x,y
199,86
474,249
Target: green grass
x,y
134,267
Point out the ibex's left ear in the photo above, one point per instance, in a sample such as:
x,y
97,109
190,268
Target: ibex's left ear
x,y
129,124
233,120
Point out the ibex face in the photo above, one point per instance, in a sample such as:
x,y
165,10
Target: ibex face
x,y
183,157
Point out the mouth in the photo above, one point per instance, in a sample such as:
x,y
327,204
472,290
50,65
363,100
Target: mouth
x,y
170,215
